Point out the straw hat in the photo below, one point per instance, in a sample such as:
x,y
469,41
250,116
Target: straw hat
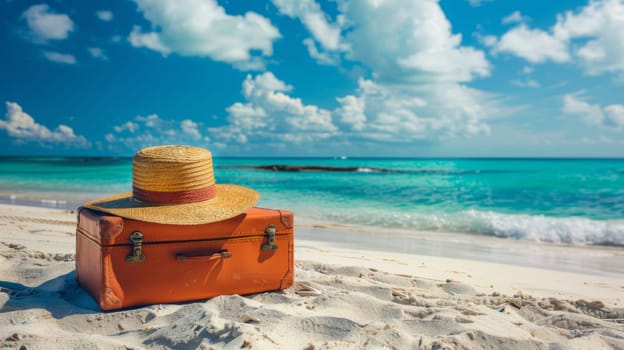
x,y
176,185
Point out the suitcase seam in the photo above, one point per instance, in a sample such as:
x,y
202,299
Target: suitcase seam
x,y
281,236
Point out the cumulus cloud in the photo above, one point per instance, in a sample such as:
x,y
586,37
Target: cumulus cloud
x,y
60,57
105,16
487,40
415,91
321,56
323,31
398,39
202,28
46,25
352,111
130,126
593,37
599,28
374,112
314,19
534,45
152,130
190,128
269,114
611,116
400,113
148,40
514,17
23,128
409,41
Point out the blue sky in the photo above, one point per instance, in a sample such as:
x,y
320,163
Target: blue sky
x,y
465,78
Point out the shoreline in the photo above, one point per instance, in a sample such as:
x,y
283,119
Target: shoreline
x,y
71,201
355,298
604,260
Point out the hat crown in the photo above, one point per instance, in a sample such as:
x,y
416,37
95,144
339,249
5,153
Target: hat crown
x,y
175,185
174,153
158,173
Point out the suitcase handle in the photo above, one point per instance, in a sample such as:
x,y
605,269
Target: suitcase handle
x,y
222,254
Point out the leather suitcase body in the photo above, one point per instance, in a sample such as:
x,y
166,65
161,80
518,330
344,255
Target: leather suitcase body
x,y
123,262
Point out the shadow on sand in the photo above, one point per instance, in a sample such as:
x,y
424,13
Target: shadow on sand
x,y
61,296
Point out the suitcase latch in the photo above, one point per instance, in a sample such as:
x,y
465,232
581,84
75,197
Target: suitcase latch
x,y
137,248
269,231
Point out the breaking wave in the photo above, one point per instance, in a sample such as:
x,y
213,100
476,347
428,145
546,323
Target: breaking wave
x,y
574,230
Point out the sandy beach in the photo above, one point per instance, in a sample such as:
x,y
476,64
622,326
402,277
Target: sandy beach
x,y
352,290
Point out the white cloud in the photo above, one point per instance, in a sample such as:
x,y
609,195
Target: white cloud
x,y
409,41
418,66
267,92
105,16
247,116
151,130
202,28
593,37
599,28
590,114
98,53
314,19
352,111
46,25
487,40
321,56
534,45
379,112
189,128
150,121
414,94
614,114
611,116
270,115
60,57
382,113
130,126
23,127
406,113
323,32
514,17
398,39
148,40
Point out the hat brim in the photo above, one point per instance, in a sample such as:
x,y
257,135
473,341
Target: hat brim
x,y
230,201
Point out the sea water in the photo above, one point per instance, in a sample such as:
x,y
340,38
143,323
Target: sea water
x,y
554,200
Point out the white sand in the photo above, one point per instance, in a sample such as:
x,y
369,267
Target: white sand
x,y
367,299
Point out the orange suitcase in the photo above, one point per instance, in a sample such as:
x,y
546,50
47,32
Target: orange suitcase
x,y
123,262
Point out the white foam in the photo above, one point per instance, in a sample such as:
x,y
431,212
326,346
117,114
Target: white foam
x,y
577,230
550,229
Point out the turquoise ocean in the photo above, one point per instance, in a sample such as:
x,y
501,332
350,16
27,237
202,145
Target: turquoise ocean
x,y
578,201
